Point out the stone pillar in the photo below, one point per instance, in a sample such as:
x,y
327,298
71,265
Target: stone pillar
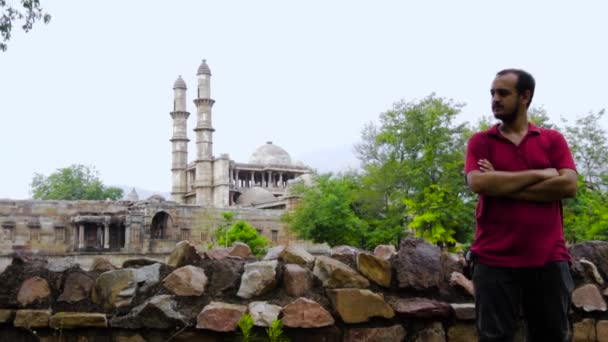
x,y
106,235
81,235
252,179
269,184
281,180
236,176
127,236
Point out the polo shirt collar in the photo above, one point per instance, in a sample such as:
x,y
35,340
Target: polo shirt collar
x,y
532,130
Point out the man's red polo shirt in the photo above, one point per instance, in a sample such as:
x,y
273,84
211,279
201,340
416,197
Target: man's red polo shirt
x,y
514,233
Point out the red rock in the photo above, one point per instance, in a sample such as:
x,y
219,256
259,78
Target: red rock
x,y
306,313
589,298
385,251
220,317
395,333
420,307
32,290
297,280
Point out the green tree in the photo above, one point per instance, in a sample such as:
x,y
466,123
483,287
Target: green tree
x,y
413,161
243,232
29,12
588,141
325,212
76,182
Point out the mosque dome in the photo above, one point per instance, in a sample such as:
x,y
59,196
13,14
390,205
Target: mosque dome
x,y
269,154
179,83
204,69
255,195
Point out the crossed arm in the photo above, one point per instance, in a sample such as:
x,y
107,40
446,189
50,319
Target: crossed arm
x,y
530,185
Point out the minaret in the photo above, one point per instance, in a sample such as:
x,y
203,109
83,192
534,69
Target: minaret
x,y
179,141
204,138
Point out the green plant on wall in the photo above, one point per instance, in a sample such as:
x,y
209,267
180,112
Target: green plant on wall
x,y
243,232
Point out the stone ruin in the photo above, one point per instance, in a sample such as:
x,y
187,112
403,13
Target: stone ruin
x,y
417,293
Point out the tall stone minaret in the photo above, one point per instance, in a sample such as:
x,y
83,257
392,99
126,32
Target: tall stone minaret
x,y
179,141
204,137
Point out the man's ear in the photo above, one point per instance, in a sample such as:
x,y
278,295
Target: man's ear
x,y
525,96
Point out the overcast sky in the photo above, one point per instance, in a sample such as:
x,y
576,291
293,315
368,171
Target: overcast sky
x,y
95,85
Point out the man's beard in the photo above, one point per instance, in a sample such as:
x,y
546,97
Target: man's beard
x,y
508,117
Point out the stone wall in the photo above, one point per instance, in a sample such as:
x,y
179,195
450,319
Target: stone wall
x,y
53,227
416,293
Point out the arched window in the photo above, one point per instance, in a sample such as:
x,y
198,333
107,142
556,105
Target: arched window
x,y
160,223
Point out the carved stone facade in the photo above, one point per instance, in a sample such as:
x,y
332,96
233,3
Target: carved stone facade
x,y
121,228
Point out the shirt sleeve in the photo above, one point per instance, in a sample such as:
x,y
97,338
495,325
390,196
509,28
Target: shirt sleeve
x,y
476,149
560,155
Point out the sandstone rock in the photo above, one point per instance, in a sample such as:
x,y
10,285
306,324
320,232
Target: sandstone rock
x,y
385,251
462,333
432,333
32,318
592,271
589,298
374,268
334,274
306,313
584,331
297,280
258,278
147,276
273,253
240,250
102,265
61,264
601,330
186,281
420,307
225,276
220,317
418,264
6,315
184,254
74,320
263,313
296,255
158,312
458,279
395,333
464,312
114,288
139,262
356,305
77,287
217,253
32,290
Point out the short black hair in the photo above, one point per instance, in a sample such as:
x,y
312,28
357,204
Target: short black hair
x,y
525,81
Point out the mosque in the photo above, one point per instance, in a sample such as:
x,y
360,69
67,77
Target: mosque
x,y
256,191
220,182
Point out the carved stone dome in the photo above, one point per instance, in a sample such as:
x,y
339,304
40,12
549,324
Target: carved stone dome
x,y
179,83
255,195
204,68
269,154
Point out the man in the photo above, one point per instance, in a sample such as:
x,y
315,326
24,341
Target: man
x,y
521,172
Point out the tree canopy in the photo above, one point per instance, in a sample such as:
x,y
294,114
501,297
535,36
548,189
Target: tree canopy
x,y
412,181
75,182
29,12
